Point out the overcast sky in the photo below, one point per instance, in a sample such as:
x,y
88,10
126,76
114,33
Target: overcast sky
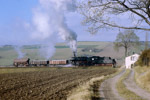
x,y
16,14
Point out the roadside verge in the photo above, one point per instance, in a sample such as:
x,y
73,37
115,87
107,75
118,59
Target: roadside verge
x,y
142,77
86,91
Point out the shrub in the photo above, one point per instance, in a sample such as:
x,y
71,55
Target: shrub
x,y
144,58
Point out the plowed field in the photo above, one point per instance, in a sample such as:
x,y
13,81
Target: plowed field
x,y
47,84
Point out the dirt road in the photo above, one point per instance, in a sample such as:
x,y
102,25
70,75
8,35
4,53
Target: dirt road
x,y
132,86
108,89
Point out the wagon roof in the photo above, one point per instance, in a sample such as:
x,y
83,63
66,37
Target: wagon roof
x,y
39,60
58,60
21,60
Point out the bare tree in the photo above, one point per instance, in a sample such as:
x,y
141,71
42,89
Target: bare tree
x,y
127,39
102,13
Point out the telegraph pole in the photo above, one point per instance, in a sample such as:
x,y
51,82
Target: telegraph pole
x,y
146,41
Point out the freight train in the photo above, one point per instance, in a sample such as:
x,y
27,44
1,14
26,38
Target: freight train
x,y
76,61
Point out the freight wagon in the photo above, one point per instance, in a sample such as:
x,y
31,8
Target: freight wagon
x,y
21,62
58,62
39,63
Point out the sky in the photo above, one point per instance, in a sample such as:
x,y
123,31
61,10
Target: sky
x,y
15,16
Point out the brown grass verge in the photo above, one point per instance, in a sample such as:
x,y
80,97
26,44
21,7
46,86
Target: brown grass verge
x,y
142,77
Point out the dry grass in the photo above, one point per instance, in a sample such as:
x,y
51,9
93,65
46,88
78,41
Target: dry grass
x,y
141,70
85,91
123,91
142,77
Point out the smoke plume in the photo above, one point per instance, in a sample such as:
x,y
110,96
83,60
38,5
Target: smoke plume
x,y
47,50
49,22
19,52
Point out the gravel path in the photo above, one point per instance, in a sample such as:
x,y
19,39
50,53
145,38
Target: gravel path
x,y
108,89
132,86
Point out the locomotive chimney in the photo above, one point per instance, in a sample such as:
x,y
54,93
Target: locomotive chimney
x,y
74,53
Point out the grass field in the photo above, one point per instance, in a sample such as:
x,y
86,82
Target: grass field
x,y
45,83
8,54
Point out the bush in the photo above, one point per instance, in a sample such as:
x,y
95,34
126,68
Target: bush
x,y
144,58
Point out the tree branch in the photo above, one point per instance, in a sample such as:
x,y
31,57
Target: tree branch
x,y
130,9
96,13
123,27
148,8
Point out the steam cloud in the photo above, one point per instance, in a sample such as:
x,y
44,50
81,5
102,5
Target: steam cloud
x,y
19,52
49,22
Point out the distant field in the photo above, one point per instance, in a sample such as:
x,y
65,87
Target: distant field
x,y
8,54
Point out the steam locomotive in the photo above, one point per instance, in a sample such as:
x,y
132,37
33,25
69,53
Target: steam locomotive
x,y
93,61
75,61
